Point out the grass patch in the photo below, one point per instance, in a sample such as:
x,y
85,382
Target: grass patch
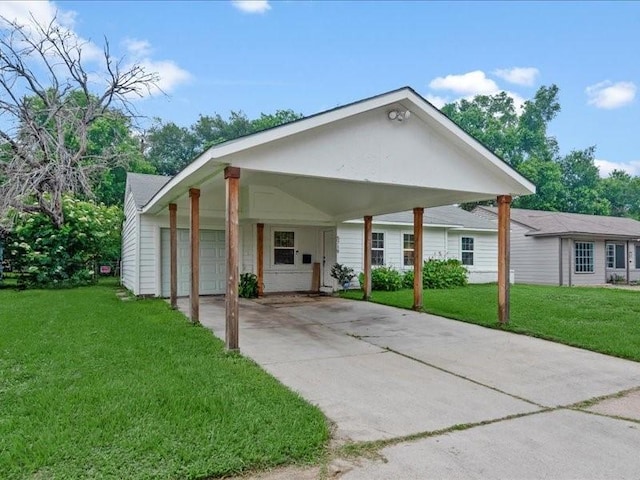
x,y
94,387
604,320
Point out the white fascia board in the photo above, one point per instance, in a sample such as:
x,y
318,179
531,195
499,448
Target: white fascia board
x,y
405,224
465,229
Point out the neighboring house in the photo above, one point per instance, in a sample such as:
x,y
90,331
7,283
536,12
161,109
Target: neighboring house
x,y
557,248
295,185
449,232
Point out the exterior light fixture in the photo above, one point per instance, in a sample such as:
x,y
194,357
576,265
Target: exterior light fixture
x,y
399,115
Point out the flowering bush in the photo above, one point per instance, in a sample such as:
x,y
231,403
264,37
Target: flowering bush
x,y
50,256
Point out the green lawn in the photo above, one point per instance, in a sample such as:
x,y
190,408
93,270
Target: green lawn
x,y
95,387
601,319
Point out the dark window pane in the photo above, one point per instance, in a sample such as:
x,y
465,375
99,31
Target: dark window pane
x,y
467,258
408,241
283,256
283,239
619,256
377,240
408,257
377,257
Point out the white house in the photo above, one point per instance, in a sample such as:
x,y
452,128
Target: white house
x,y
449,232
557,248
271,202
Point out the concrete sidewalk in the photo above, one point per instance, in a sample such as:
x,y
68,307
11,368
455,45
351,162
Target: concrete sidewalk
x,y
381,373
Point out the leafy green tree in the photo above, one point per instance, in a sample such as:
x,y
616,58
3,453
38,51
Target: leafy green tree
x,y
623,193
49,255
170,148
582,189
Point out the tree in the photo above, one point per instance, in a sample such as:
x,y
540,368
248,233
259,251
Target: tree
x,y
170,148
623,193
49,255
582,188
49,100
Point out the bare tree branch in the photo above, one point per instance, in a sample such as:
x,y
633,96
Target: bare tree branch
x,y
48,101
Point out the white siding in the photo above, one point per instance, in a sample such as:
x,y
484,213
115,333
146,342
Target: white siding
x,y
296,277
485,255
149,262
534,260
129,259
438,243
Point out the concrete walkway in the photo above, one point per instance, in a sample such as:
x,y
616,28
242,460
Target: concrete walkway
x,y
380,373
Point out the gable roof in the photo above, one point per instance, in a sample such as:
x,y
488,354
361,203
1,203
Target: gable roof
x,y
550,224
315,148
144,186
445,216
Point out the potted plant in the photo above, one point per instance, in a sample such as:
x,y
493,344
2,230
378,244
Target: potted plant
x,y
343,275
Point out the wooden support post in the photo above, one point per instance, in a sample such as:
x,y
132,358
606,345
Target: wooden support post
x,y
368,220
418,214
173,254
194,234
504,227
232,180
260,259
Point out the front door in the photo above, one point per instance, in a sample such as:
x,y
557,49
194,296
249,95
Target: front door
x,y
328,256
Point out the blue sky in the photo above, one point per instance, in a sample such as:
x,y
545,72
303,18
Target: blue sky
x,y
218,56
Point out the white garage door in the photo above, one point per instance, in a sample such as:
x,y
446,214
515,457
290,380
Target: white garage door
x,y
212,262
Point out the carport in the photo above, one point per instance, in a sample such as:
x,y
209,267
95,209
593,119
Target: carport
x,y
388,153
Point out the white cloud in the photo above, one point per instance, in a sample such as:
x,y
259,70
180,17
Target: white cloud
x,y
437,101
606,167
466,84
525,76
252,6
609,95
170,75
137,48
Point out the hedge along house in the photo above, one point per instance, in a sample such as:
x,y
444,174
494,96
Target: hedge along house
x,y
270,202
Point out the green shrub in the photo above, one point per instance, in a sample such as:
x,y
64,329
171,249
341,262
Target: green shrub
x,y
248,287
444,273
66,256
383,278
407,279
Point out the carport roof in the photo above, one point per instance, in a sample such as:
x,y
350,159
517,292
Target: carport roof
x,y
355,160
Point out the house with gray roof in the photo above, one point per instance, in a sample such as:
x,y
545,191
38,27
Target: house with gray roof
x,y
449,232
558,248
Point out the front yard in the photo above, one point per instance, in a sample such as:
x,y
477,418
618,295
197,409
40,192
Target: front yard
x,y
95,387
605,320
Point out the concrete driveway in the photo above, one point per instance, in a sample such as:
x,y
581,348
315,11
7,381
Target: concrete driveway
x,y
381,373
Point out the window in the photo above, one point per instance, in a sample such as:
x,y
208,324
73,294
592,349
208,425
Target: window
x,y
408,246
638,256
283,248
377,249
584,257
615,256
467,250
